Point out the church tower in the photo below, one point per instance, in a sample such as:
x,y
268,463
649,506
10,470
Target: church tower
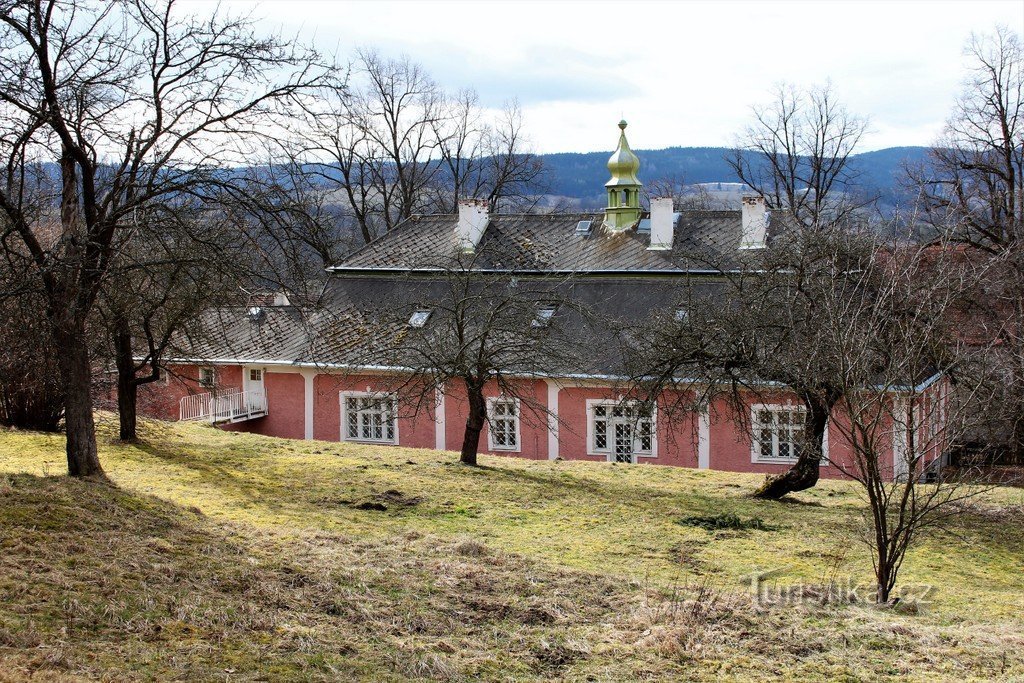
x,y
623,210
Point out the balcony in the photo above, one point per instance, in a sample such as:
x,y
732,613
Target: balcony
x,y
237,406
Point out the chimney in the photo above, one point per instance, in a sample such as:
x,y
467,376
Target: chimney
x,y
473,217
662,223
755,222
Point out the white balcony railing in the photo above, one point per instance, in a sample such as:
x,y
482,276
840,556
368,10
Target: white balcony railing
x,y
233,407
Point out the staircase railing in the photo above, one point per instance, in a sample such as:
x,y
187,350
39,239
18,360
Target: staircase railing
x,y
239,405
194,407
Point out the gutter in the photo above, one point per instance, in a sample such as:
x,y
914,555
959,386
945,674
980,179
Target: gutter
x,y
528,375
579,273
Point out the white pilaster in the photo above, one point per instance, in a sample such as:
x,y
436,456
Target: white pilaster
x,y
439,424
308,375
704,439
900,455
552,419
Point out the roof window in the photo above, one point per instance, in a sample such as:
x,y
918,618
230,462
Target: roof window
x,y
584,227
544,315
419,318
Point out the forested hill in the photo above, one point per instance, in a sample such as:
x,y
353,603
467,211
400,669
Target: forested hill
x,y
582,175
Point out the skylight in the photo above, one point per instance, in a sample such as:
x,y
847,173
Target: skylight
x,y
419,318
583,227
681,315
544,315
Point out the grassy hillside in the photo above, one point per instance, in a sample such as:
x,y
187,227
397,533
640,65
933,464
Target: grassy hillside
x,y
220,555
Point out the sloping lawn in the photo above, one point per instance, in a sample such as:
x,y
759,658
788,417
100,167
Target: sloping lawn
x,y
219,555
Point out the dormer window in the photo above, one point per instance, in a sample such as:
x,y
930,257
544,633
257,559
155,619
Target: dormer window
x,y
544,315
419,318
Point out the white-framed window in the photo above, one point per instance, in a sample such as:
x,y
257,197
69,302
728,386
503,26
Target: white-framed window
x,y
207,377
780,433
622,431
255,375
367,416
503,424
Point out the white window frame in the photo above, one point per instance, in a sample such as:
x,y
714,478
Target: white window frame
x,y
255,379
515,418
608,451
212,381
375,396
756,456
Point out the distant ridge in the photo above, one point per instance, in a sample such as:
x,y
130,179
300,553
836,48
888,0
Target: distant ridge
x,y
581,175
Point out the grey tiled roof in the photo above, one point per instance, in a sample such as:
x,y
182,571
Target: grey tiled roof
x,y
549,242
347,330
624,281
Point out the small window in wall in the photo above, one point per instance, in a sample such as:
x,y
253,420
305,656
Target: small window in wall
x,y
255,375
779,432
503,423
419,318
621,431
207,377
369,417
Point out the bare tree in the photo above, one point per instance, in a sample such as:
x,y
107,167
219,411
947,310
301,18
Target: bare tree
x,y
972,192
766,327
913,390
31,391
376,139
973,181
797,154
133,104
181,261
394,144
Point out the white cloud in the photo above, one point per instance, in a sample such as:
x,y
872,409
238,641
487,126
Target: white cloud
x,y
681,73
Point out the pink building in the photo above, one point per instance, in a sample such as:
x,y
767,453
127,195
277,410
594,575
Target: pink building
x,y
271,372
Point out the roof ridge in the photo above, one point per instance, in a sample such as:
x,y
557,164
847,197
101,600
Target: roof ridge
x,y
550,214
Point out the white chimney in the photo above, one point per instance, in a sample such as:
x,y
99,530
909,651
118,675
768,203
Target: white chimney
x,y
473,217
662,223
755,222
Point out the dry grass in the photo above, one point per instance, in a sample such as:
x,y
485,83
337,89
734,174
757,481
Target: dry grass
x,y
232,557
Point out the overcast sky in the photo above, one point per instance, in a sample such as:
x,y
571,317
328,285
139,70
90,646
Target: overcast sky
x,y
681,73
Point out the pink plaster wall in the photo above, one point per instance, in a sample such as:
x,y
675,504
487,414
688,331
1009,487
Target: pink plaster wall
x,y
415,427
285,407
730,442
533,431
160,399
677,431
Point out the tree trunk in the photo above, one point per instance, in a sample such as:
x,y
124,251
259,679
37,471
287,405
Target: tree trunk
x,y
805,472
883,577
474,423
127,389
83,459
